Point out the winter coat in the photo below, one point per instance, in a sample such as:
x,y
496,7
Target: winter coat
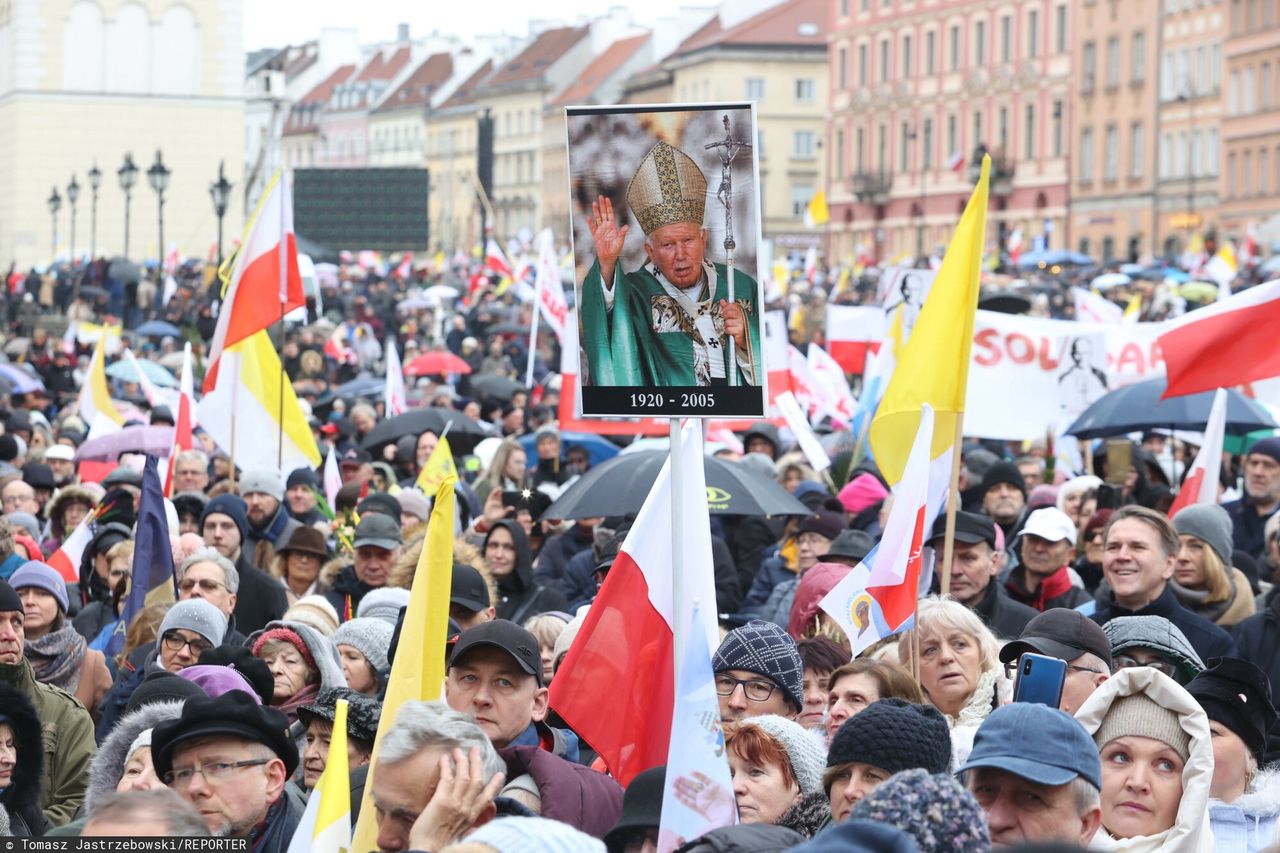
x,y
773,572
345,591
1239,605
993,690
744,838
21,799
553,559
67,732
1206,638
108,765
93,618
809,816
117,699
282,820
1248,528
1252,822
1190,832
259,599
805,596
1052,591
1005,617
750,537
563,743
328,666
1258,639
579,796
519,596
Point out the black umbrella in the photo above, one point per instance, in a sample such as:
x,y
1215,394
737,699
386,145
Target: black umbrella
x,y
364,385
1138,407
90,291
495,385
464,433
507,329
1004,302
620,485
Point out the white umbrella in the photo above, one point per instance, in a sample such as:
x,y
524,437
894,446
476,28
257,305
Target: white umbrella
x,y
1110,279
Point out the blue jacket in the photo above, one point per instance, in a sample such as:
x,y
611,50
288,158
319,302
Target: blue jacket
x,y
772,572
1247,527
564,742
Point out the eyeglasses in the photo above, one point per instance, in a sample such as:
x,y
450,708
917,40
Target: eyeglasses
x,y
211,772
1120,662
756,691
174,643
206,584
1011,669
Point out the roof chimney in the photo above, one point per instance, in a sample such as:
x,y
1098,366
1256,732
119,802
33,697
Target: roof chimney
x,y
402,32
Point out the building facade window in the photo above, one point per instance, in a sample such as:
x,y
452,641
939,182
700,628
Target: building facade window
x,y
1033,33
862,65
755,89
1029,133
927,137
839,152
842,68
1006,38
953,48
907,70
1137,148
953,143
860,149
802,144
980,43
1166,156
1113,62
1060,29
1111,154
1059,114
800,196
1088,66
1086,155
804,90
904,147
884,60
1211,152
1138,58
930,53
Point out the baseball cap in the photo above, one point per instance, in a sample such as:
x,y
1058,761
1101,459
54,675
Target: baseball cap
x,y
1052,524
468,588
1036,742
380,531
971,528
1060,633
355,456
507,636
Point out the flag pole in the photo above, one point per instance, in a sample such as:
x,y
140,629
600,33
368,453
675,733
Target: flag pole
x,y
235,394
533,335
677,541
953,498
284,295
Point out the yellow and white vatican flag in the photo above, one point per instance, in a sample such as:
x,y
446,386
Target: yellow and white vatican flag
x,y
95,406
253,414
326,824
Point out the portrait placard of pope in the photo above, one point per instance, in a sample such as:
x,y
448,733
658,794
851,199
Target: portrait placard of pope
x,y
655,307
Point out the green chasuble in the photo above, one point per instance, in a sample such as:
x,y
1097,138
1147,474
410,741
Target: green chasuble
x,y
649,337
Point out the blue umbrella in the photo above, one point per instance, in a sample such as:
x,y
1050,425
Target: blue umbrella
x,y
598,448
123,370
1060,257
21,381
1138,407
158,329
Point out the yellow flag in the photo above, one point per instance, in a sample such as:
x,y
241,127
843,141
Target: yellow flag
x,y
781,276
934,365
439,466
418,673
96,408
1133,310
333,820
816,213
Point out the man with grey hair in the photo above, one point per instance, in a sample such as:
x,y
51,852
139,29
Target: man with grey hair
x,y
153,813
1036,773
191,471
434,779
209,576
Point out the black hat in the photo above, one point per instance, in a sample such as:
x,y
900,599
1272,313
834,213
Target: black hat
x,y
108,536
1004,472
1060,633
116,507
9,599
971,528
468,588
189,504
1237,694
302,477
122,476
162,686
380,531
505,635
641,807
8,448
233,714
851,545
381,502
894,735
823,523
355,456
38,475
162,415
363,712
535,501
243,661
765,430
19,421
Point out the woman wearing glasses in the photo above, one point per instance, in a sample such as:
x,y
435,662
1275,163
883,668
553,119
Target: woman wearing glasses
x,y
58,654
1152,641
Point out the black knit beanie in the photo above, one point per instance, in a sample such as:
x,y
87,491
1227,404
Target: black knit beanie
x,y
9,599
1004,472
894,735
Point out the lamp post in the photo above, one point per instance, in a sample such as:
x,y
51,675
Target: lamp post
x,y
913,136
1188,97
158,177
128,175
95,181
73,193
55,204
220,192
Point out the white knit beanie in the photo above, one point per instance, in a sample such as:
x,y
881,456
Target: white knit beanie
x,y
519,834
806,752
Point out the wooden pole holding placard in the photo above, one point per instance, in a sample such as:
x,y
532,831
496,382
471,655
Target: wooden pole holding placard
x,y
953,499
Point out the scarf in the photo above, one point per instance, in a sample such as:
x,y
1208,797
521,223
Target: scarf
x,y
273,530
1197,600
57,658
289,707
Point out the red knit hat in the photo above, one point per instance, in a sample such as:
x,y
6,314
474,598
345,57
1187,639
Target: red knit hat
x,y
289,636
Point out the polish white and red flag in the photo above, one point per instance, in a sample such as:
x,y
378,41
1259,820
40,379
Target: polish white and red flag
x,y
495,259
830,377
1231,342
394,397
1200,486
627,643
265,281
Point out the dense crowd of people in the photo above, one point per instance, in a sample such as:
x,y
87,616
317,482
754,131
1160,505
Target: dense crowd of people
x,y
216,716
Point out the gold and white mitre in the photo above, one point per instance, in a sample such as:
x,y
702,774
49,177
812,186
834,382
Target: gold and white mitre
x,y
667,187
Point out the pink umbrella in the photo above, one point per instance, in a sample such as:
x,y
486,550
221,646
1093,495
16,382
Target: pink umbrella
x,y
151,440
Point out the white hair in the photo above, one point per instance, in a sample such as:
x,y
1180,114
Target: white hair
x,y
434,725
230,575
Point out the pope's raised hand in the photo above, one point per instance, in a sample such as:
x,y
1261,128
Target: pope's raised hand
x,y
607,236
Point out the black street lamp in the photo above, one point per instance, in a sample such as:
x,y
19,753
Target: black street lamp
x,y
95,181
220,192
158,176
73,193
55,204
128,174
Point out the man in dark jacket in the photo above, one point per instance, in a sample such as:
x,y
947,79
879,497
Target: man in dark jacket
x,y
1137,561
1258,638
975,563
269,519
300,490
556,553
1042,580
506,550
378,543
232,758
261,598
1261,498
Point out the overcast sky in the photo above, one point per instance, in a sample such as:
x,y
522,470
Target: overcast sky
x,y
275,23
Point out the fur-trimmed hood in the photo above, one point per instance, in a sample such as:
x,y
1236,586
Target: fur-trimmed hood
x,y
323,651
1263,797
60,500
809,816
108,765
23,794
